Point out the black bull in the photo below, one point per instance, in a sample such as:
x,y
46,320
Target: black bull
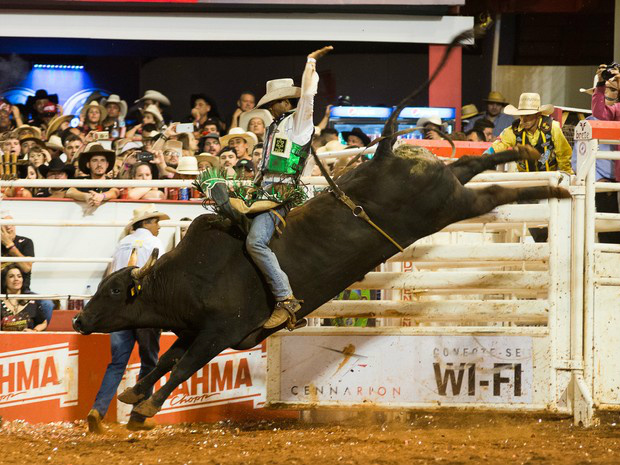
x,y
208,291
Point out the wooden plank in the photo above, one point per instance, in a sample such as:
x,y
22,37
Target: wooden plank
x,y
474,252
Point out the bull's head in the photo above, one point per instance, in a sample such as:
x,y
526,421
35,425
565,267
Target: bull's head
x,y
115,305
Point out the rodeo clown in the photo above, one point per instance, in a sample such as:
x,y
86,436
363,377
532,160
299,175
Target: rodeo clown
x,y
535,127
276,185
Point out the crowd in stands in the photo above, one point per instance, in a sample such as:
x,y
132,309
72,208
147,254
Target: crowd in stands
x,y
38,141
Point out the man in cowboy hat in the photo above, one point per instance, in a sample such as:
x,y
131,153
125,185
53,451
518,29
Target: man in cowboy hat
x,y
56,170
432,126
535,127
356,138
242,141
494,103
95,162
133,250
35,104
117,111
286,150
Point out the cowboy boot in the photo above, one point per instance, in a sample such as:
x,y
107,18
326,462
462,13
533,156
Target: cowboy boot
x,y
139,422
95,422
219,194
284,311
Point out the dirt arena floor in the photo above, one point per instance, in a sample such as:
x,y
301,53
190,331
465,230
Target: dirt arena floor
x,y
446,438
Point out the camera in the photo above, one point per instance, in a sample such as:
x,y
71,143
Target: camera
x,y
606,75
144,156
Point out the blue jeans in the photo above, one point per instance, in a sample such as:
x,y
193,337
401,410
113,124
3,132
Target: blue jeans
x,y
257,244
122,343
47,306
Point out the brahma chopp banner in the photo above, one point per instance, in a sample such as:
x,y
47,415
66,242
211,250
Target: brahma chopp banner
x,y
55,376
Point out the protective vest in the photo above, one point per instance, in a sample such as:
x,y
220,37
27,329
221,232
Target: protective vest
x,y
544,146
282,158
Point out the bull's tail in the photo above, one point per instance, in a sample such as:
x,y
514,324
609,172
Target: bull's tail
x,y
389,130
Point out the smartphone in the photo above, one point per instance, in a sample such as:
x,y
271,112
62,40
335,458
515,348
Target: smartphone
x,y
184,127
101,135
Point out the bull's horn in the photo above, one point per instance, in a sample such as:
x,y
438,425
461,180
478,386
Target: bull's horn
x,y
140,273
133,258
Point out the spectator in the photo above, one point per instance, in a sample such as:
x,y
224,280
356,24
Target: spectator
x,y
35,105
54,146
92,117
188,168
189,143
327,135
141,237
95,162
183,229
56,170
19,314
494,104
149,133
144,171
257,155
10,146
485,127
206,161
173,151
356,138
467,112
127,152
475,136
58,124
228,160
211,126
153,97
458,136
210,143
30,171
50,111
256,122
117,112
38,156
246,103
10,117
27,140
241,141
204,111
433,126
73,144
535,128
244,169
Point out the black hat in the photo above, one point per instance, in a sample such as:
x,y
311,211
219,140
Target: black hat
x,y
57,165
92,150
245,164
356,132
40,94
214,112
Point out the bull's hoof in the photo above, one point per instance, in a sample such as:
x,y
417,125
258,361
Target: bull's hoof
x,y
128,396
147,408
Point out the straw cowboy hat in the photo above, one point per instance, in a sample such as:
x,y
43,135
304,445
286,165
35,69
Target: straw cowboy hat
x,y
188,166
211,159
358,133
467,111
92,149
495,97
245,118
56,122
529,104
174,145
21,132
144,212
278,89
153,110
155,96
113,98
94,104
249,137
331,146
54,143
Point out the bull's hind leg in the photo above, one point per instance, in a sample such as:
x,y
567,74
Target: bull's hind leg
x,y
476,202
143,387
465,168
205,346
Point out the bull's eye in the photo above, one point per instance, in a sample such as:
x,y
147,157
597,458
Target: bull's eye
x,y
116,291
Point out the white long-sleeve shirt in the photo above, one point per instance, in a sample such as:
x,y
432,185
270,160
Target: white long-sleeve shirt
x,y
143,241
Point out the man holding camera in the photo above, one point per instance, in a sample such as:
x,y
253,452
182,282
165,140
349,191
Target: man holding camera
x,y
600,110
95,162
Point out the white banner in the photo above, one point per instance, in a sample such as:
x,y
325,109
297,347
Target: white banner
x,y
406,369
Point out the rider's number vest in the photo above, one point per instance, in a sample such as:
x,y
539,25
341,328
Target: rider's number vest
x,y
283,157
544,146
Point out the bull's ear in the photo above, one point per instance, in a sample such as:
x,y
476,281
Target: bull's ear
x,y
139,273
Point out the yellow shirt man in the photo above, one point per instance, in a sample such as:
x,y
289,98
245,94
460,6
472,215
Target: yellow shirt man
x,y
555,156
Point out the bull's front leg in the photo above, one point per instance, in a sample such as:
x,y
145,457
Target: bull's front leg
x,y
206,345
143,387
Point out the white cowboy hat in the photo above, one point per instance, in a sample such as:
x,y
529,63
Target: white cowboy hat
x,y
144,212
246,117
54,143
188,166
436,120
128,145
278,89
153,110
94,104
529,104
211,159
113,98
249,137
155,96
331,146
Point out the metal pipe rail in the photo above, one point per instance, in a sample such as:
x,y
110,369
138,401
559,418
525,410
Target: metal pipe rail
x,y
55,260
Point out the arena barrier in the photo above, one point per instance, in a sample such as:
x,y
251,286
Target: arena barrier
x,y
600,264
